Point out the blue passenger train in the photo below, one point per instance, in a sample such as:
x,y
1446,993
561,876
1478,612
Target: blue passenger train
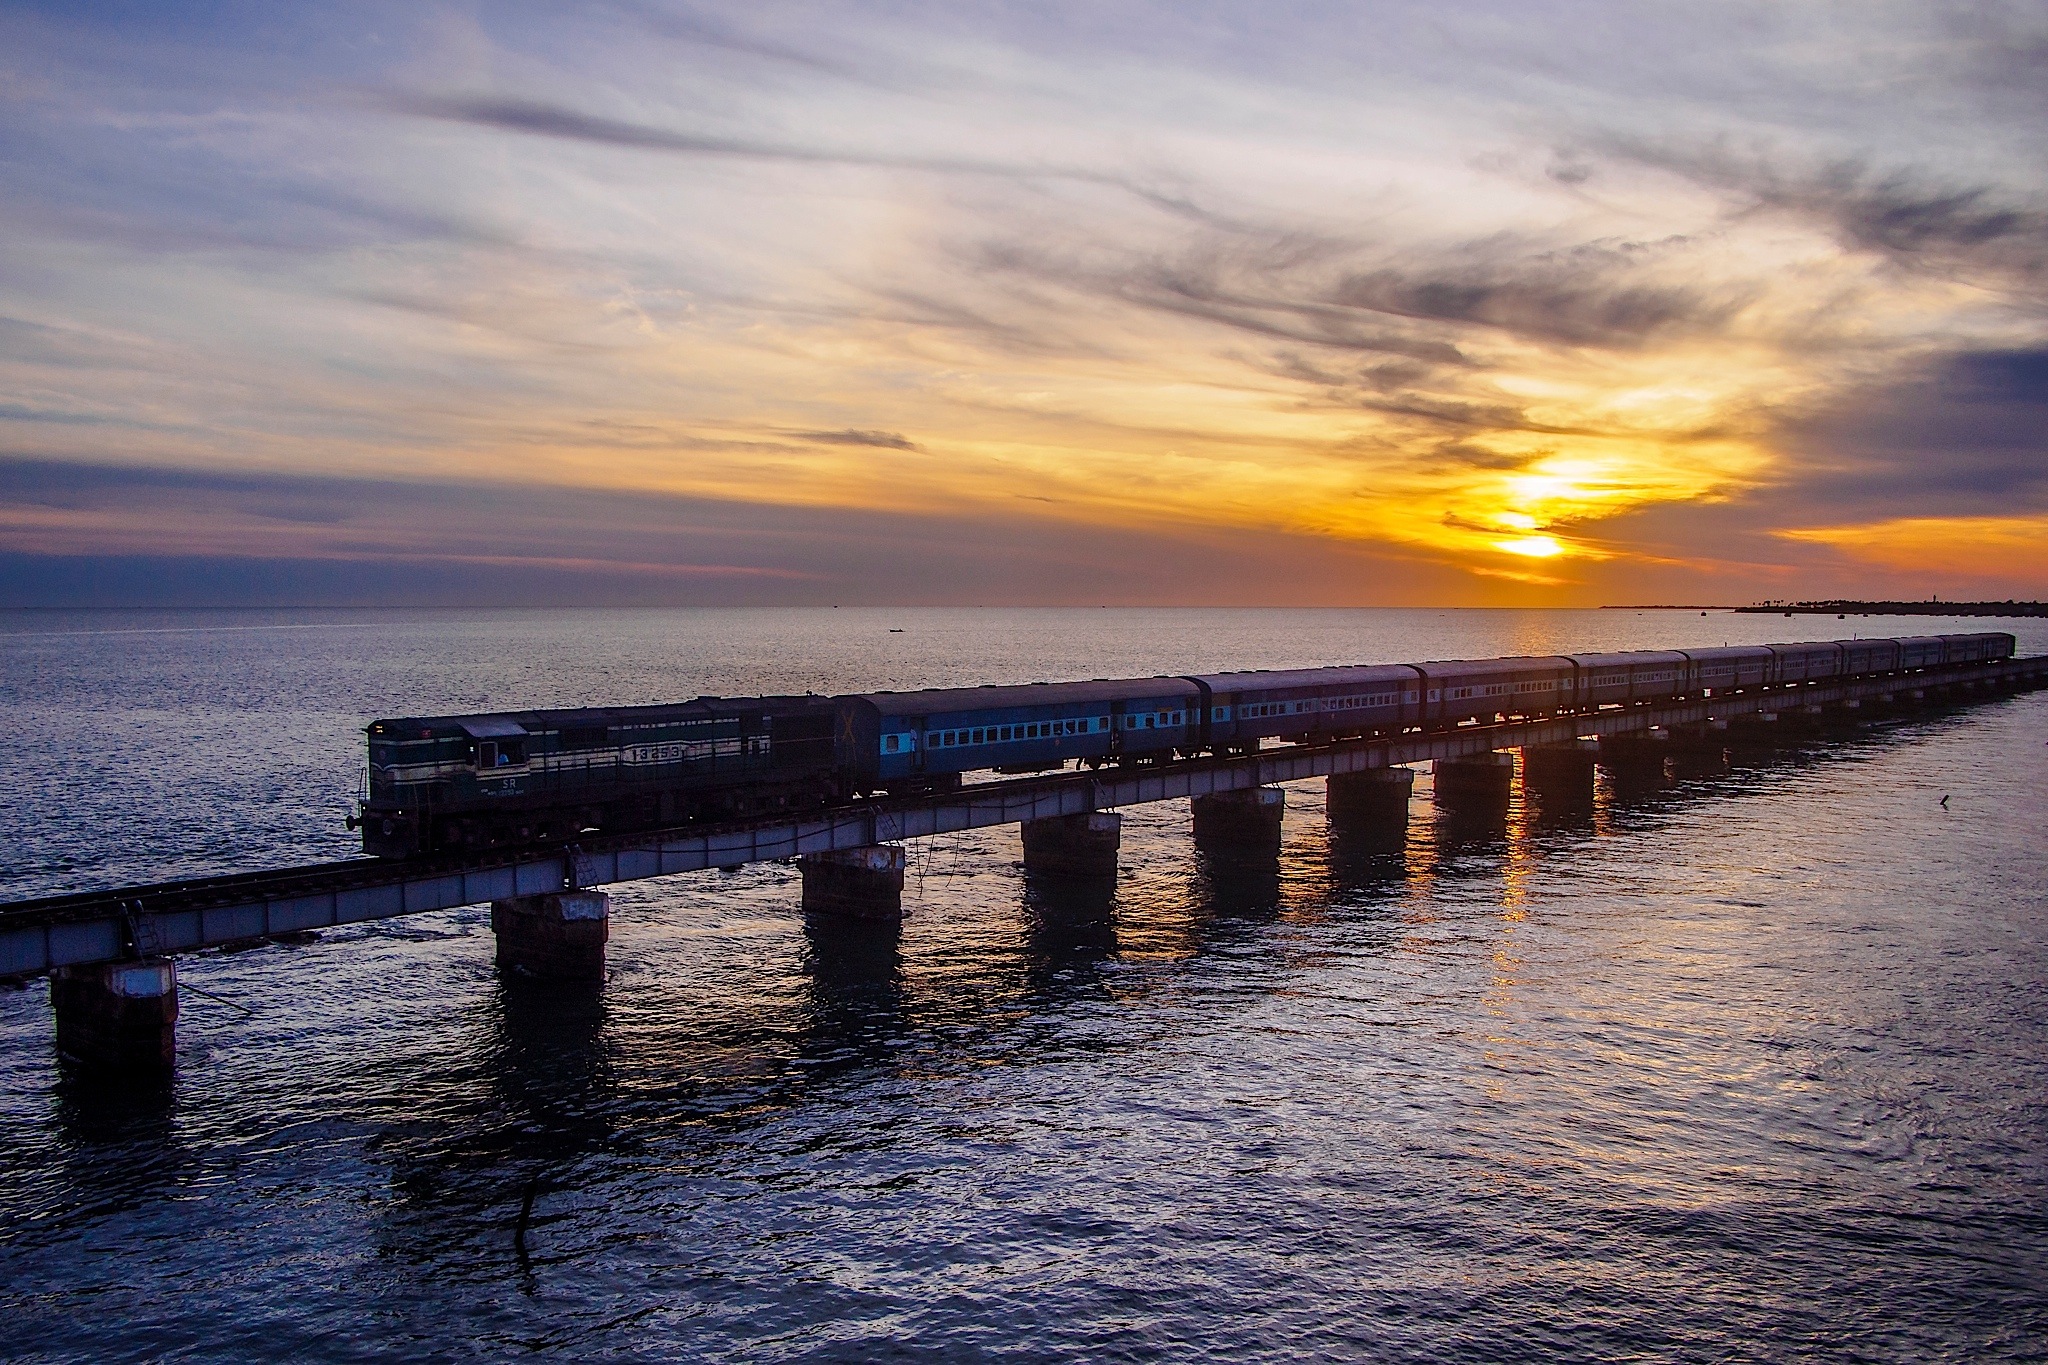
x,y
467,782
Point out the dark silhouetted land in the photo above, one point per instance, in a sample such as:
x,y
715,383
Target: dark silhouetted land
x,y
1906,608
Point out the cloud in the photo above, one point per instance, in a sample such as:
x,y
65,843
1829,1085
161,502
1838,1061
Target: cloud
x,y
886,440
1339,285
1349,294
538,119
76,535
1906,215
1958,433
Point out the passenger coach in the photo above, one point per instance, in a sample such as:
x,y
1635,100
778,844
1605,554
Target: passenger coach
x,y
911,741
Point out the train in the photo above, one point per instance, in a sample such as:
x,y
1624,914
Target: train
x,y
440,784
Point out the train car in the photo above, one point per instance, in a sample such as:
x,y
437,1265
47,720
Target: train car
x,y
1307,704
1455,691
1863,657
1804,662
910,741
438,783
1727,669
1622,679
1921,651
1983,647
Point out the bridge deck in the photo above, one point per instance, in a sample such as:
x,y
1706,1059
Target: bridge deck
x,y
171,917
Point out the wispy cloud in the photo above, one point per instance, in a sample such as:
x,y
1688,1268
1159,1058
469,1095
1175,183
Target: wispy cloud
x,y
884,440
1322,285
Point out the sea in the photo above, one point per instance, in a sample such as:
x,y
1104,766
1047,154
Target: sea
x,y
1748,1067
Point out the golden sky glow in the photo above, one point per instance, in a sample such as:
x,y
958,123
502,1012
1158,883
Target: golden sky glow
x,y
1399,295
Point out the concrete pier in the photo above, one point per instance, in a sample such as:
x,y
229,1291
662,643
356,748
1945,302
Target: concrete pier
x,y
1243,821
1475,785
117,1016
1757,731
1561,772
1636,760
1699,750
1370,809
557,937
1373,797
858,883
1074,845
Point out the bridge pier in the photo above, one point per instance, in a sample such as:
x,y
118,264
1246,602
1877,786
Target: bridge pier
x,y
1755,730
556,937
1636,760
1476,785
856,883
1700,750
1561,772
1246,821
117,1016
1370,808
1082,845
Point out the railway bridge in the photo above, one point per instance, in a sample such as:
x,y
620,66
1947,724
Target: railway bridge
x,y
110,955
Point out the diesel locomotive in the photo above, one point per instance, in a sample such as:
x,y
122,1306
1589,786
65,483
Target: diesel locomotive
x,y
441,783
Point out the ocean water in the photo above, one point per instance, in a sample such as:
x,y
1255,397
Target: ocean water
x,y
1754,1067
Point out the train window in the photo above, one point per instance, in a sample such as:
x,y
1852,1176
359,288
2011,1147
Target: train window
x,y
889,744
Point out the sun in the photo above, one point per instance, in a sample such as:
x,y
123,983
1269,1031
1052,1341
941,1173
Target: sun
x,y
1535,547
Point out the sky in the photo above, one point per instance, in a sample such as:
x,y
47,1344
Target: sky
x,y
1282,303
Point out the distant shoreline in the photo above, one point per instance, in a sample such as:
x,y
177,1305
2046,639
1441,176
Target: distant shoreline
x,y
1899,608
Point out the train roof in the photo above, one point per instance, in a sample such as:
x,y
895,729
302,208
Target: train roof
x,y
949,700
495,724
1279,679
1513,663
1614,658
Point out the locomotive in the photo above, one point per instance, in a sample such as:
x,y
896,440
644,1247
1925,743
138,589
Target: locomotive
x,y
457,783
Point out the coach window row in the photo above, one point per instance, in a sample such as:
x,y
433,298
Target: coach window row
x,y
1004,734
